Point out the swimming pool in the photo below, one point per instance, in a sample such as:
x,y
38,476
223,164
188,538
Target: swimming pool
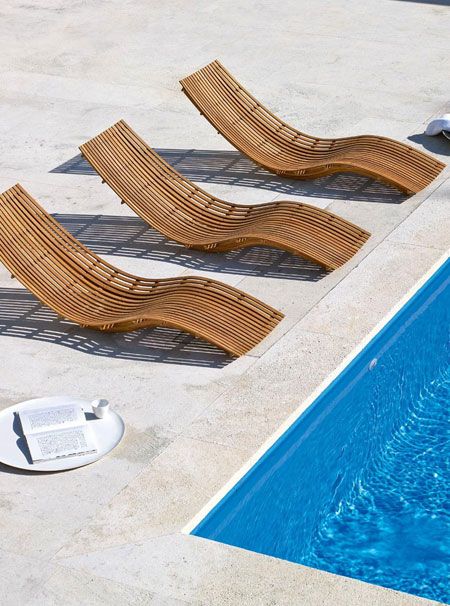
x,y
358,484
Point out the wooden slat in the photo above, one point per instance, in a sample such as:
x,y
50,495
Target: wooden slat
x,y
283,150
82,287
187,214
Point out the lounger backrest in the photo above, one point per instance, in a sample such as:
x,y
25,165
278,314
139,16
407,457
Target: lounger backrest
x,y
53,264
243,120
153,188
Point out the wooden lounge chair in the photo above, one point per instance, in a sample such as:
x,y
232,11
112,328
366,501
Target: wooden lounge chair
x,y
283,150
183,212
82,287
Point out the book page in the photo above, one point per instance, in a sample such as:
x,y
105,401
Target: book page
x,y
54,417
61,443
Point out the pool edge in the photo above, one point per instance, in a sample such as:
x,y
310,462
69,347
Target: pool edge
x,y
306,403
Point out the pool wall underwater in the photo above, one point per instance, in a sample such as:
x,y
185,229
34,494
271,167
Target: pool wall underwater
x,y
356,484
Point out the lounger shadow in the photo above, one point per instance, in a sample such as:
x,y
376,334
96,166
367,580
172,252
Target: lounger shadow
x,y
187,214
83,288
285,151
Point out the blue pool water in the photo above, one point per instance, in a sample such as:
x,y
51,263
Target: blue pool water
x,y
359,484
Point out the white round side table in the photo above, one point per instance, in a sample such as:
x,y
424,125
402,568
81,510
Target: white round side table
x,y
13,445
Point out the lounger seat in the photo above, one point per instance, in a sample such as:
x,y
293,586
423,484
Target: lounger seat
x,y
187,214
285,151
82,287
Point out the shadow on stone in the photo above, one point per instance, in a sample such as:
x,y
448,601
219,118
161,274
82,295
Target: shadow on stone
x,y
232,168
132,237
23,316
437,145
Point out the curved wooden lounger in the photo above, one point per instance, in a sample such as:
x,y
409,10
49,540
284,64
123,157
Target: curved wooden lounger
x,y
283,150
82,287
183,212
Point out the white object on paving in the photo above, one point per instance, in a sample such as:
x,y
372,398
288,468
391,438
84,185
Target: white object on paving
x,y
441,125
108,432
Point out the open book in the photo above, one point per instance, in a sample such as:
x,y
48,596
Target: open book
x,y
57,431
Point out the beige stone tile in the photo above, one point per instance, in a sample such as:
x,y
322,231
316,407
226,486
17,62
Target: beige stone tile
x,y
271,390
430,224
49,497
26,535
39,513
162,498
354,307
72,588
375,217
21,577
146,391
216,574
